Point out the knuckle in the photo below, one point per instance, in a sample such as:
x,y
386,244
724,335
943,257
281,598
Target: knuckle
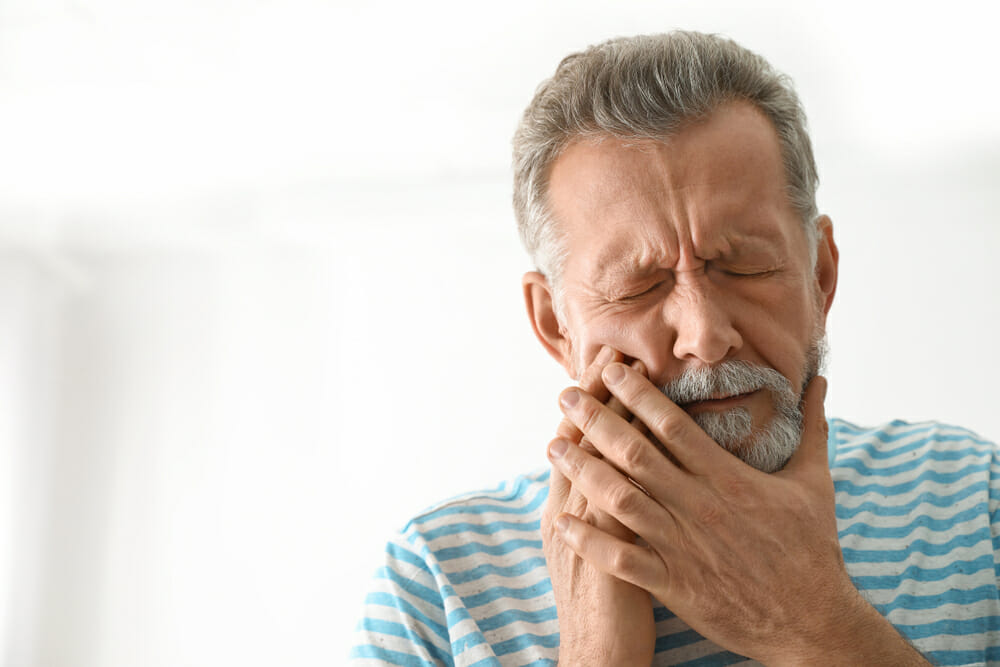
x,y
630,451
587,446
576,466
622,560
708,513
623,499
733,488
589,415
670,427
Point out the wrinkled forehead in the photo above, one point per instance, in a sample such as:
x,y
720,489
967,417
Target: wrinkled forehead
x,y
716,183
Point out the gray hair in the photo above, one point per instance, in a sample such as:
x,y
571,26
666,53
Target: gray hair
x,y
648,87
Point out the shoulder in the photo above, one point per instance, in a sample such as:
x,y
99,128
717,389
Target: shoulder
x,y
512,507
901,441
899,462
450,575
520,496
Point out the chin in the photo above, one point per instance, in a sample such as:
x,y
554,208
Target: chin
x,y
767,449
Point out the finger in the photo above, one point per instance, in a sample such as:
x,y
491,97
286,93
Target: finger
x,y
591,383
625,560
812,451
616,406
606,488
666,421
624,446
559,489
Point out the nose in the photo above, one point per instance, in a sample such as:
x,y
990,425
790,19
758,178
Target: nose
x,y
704,327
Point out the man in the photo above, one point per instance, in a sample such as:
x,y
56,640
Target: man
x,y
700,509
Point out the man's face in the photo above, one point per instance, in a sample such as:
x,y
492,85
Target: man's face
x,y
686,254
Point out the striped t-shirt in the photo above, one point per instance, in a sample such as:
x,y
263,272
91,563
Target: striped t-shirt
x,y
918,512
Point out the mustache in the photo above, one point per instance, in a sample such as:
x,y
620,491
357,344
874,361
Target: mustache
x,y
730,378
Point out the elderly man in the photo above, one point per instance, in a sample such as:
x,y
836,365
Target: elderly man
x,y
700,509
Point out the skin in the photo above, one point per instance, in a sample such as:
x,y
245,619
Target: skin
x,y
687,253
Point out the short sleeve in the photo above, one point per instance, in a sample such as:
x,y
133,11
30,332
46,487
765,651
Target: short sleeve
x,y
403,621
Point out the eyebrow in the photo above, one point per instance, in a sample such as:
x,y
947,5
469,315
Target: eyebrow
x,y
614,261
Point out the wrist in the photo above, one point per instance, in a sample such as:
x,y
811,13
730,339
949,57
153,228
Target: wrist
x,y
851,633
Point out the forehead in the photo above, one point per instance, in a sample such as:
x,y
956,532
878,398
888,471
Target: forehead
x,y
720,182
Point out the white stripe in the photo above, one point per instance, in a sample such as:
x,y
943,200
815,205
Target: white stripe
x,y
947,611
922,509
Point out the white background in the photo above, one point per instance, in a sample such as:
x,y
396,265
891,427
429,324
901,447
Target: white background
x,y
259,286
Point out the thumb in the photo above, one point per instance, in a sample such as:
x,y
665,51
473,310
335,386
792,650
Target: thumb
x,y
812,450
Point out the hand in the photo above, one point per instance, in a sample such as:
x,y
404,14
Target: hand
x,y
603,619
749,560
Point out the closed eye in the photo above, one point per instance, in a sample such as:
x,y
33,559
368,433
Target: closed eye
x,y
744,272
747,274
638,295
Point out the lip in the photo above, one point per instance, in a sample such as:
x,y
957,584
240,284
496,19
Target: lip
x,y
717,403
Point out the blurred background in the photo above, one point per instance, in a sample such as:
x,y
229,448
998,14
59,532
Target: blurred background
x,y
259,286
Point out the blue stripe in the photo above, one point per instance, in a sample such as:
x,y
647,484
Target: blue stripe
x,y
950,626
517,615
850,488
502,549
969,515
875,451
466,641
401,605
922,575
398,553
714,660
952,596
860,438
490,528
499,592
926,497
488,662
397,630
482,508
989,655
385,655
524,641
429,595
863,468
842,425
676,640
918,546
488,569
661,613
503,492
884,435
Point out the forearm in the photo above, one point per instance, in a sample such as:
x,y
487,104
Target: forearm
x,y
855,635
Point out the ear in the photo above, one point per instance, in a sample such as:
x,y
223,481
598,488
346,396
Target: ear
x,y
827,262
550,333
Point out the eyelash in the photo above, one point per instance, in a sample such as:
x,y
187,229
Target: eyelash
x,y
639,295
734,274
751,274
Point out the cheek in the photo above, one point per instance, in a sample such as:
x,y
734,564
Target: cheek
x,y
783,336
636,336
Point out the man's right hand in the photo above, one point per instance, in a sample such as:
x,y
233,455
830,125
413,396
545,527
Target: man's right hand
x,y
602,619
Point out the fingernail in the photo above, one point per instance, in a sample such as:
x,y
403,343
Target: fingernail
x,y
569,398
562,523
557,448
604,356
614,374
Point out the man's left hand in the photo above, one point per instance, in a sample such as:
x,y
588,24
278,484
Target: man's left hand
x,y
749,560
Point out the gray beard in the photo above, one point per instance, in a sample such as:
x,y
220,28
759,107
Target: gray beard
x,y
767,448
